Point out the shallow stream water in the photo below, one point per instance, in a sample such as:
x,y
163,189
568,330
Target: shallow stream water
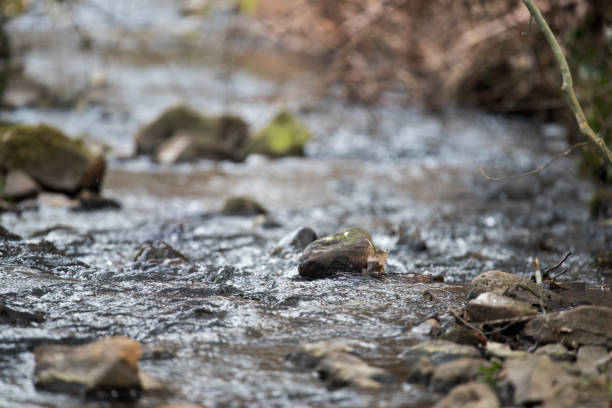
x,y
216,330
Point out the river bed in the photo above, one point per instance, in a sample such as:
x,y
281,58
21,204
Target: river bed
x,y
216,330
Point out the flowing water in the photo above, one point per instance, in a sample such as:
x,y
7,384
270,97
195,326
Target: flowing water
x,y
216,330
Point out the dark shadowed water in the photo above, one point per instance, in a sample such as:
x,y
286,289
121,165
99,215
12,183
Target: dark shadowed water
x,y
216,330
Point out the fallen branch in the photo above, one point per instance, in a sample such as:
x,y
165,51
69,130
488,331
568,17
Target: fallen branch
x,y
567,85
532,172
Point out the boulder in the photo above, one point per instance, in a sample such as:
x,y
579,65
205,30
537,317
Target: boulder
x,y
54,161
582,326
515,287
158,251
308,355
451,373
195,136
491,306
17,185
340,369
470,395
105,366
534,380
439,351
242,206
348,250
285,135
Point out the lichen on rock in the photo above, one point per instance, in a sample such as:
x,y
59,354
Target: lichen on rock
x,y
348,250
285,135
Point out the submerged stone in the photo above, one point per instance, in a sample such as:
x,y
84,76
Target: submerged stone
x,y
105,366
470,395
54,161
348,250
181,134
584,325
90,201
285,135
491,306
243,206
515,287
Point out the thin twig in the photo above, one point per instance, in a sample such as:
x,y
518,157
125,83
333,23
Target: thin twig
x,y
559,274
567,86
532,172
546,272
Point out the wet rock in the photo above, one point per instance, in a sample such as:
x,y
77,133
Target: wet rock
x,y
491,306
178,149
310,354
17,185
451,373
600,205
54,161
504,351
592,359
242,206
462,335
515,287
19,318
90,201
158,251
298,239
439,351
430,327
470,395
584,325
6,235
420,370
350,250
285,135
197,136
556,352
535,379
340,369
584,393
102,368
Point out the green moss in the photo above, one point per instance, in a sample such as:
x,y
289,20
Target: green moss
x,y
285,135
489,374
23,146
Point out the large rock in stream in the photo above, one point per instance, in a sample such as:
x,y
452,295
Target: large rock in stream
x,y
54,161
106,366
181,134
348,250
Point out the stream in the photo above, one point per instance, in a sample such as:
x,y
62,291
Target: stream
x,y
216,330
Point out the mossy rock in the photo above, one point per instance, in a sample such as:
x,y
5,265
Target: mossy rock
x,y
242,206
53,160
601,204
285,135
222,137
348,250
